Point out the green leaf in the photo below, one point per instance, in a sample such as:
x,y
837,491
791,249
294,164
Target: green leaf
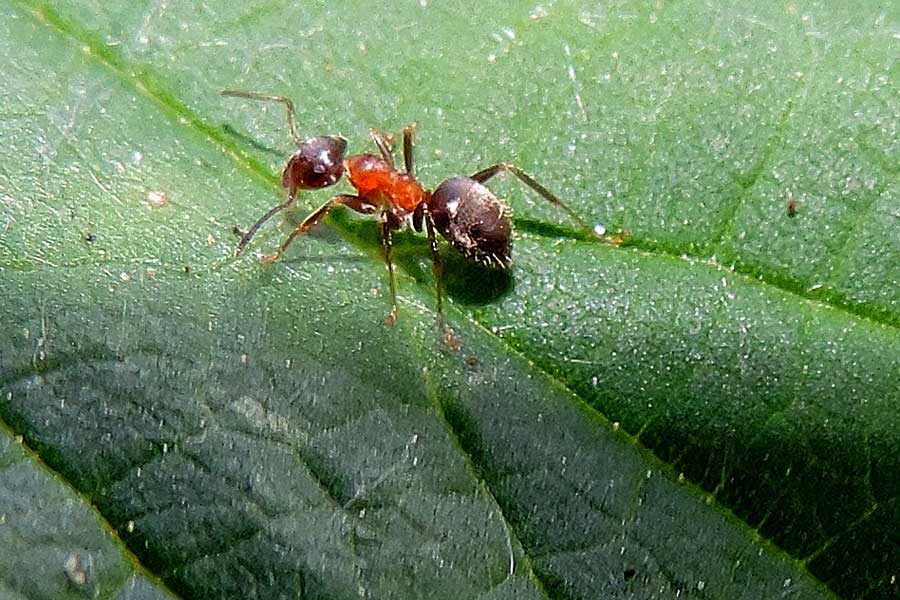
x,y
53,545
710,410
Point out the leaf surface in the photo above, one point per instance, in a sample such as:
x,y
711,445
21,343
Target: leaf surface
x,y
710,410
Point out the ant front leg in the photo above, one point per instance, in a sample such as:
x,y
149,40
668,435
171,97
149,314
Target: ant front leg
x,y
483,175
354,202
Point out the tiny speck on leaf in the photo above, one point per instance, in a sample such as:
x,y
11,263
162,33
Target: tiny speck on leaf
x,y
78,569
792,208
157,199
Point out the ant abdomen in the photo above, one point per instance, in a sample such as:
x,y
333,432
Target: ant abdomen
x,y
317,163
473,220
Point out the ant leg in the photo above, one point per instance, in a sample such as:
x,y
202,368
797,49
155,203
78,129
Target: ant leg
x,y
409,133
292,197
387,241
485,174
288,104
385,145
436,265
438,268
354,202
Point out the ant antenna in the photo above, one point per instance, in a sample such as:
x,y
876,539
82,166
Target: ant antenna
x,y
288,104
385,144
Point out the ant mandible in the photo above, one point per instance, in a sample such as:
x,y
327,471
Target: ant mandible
x,y
461,209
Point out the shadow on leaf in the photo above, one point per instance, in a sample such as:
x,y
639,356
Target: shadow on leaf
x,y
464,281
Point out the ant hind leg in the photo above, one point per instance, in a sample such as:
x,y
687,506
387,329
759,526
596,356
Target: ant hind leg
x,y
438,268
387,225
483,175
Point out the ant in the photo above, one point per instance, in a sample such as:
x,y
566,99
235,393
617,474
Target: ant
x,y
461,209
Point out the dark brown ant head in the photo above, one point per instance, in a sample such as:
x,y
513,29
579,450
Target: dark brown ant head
x,y
317,163
473,220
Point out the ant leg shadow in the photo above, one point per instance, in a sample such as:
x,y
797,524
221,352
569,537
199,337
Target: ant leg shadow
x,y
249,141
